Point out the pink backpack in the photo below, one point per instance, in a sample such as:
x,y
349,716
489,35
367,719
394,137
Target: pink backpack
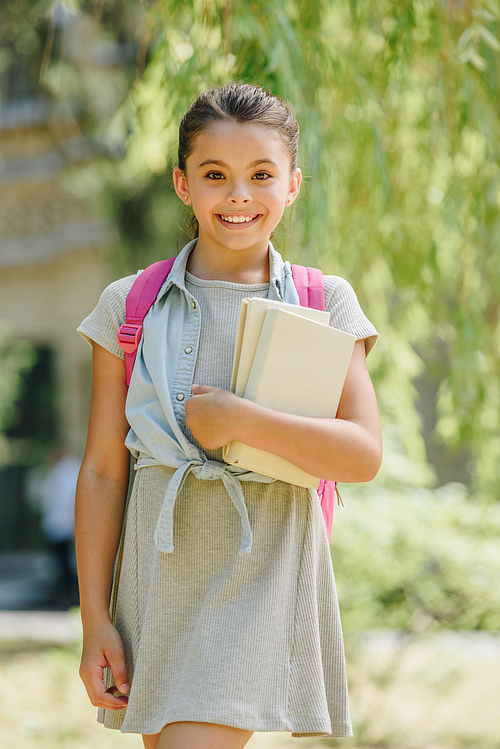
x,y
310,288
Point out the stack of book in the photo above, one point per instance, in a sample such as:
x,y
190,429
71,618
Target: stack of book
x,y
287,358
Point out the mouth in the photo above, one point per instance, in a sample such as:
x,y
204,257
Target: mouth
x,y
238,219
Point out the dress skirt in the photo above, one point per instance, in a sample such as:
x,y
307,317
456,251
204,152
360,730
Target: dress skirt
x,y
251,640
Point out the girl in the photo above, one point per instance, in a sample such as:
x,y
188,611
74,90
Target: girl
x,y
206,644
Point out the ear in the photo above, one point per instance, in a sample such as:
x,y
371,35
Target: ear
x,y
294,187
181,186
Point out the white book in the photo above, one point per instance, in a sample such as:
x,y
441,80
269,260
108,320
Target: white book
x,y
298,366
251,320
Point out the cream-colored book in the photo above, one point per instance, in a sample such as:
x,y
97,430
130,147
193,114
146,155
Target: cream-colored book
x,y
251,320
299,366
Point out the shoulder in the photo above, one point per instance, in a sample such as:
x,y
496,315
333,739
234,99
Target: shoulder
x,y
340,296
103,323
115,295
336,289
345,311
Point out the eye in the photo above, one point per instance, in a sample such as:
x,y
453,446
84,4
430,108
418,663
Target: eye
x,y
261,176
215,176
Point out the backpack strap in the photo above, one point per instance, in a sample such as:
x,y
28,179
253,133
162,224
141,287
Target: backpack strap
x,y
310,286
140,298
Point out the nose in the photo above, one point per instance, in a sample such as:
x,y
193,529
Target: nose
x,y
238,194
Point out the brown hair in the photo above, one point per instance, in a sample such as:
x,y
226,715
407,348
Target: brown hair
x,y
241,103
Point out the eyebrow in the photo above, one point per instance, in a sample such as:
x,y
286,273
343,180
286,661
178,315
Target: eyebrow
x,y
217,162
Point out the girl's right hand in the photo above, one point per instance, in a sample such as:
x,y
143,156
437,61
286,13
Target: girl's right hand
x,y
104,648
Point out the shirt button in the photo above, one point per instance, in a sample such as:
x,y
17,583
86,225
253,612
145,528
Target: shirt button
x,y
188,350
180,396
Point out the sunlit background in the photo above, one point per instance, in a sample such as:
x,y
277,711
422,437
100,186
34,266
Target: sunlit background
x,y
398,105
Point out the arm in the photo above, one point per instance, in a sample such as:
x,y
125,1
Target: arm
x,y
348,448
100,503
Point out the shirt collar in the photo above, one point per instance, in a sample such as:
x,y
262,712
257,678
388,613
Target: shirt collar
x,y
281,284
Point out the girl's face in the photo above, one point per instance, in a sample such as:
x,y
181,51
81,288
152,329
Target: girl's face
x,y
238,181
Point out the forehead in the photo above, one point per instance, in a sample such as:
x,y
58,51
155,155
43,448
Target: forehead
x,y
239,141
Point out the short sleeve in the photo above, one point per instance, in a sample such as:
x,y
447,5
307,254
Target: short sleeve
x,y
103,323
345,312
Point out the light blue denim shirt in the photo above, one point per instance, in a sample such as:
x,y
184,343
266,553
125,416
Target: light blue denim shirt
x,y
161,383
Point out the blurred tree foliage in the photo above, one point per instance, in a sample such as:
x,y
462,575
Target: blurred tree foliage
x,y
398,107
448,561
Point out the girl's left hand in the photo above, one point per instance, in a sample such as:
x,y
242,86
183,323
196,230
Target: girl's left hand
x,y
212,415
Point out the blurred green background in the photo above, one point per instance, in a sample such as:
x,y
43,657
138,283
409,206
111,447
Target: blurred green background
x,y
398,106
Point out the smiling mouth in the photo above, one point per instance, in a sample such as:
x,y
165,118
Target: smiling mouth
x,y
236,218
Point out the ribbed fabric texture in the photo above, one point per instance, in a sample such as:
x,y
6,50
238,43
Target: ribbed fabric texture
x,y
104,321
252,641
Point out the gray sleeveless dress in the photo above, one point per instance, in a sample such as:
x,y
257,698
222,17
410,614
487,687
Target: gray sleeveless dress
x,y
254,640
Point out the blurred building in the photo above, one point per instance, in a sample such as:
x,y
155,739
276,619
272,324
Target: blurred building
x,y
53,265
63,72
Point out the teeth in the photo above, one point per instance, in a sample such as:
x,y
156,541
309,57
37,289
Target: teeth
x,y
237,219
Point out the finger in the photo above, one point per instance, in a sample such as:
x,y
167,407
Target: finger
x,y
201,389
108,702
112,699
99,695
117,695
119,671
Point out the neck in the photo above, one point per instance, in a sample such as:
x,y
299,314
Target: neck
x,y
243,266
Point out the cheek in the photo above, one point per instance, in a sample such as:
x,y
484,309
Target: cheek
x,y
279,198
205,197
